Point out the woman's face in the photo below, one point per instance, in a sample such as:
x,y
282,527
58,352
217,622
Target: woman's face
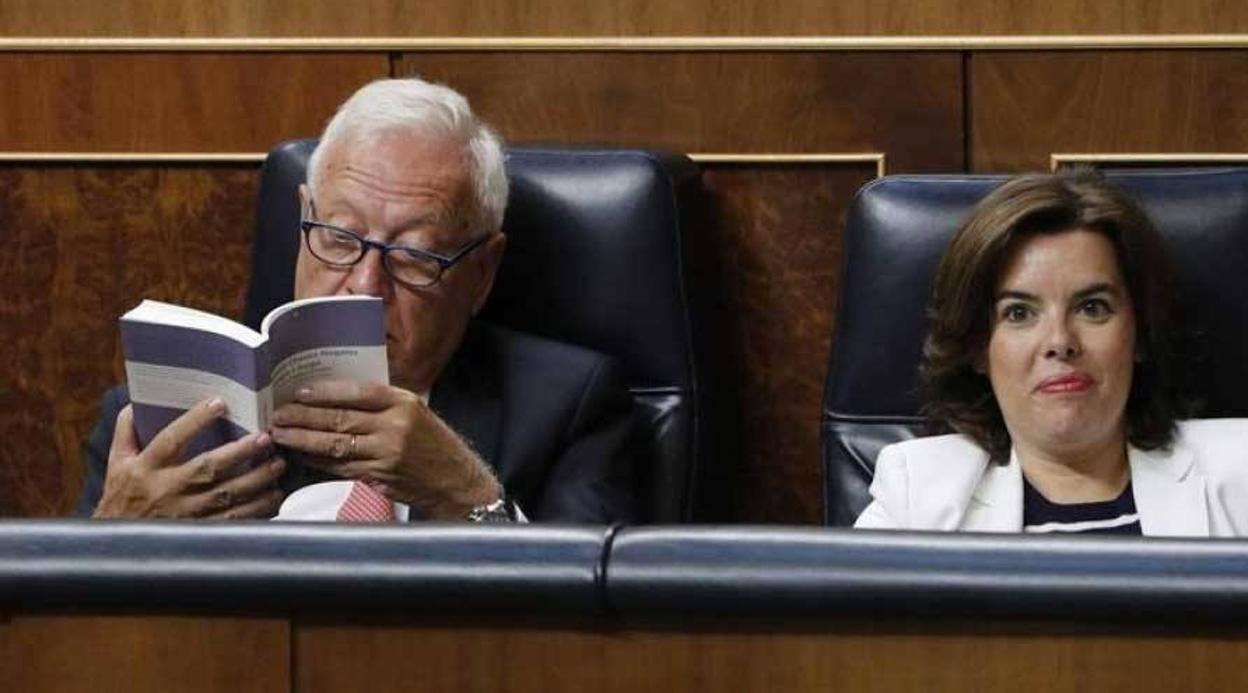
x,y
1062,344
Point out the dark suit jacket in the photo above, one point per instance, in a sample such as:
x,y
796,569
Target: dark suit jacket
x,y
554,421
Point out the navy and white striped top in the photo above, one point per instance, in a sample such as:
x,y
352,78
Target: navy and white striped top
x,y
1042,516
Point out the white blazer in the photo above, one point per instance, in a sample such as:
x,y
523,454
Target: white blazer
x,y
1199,488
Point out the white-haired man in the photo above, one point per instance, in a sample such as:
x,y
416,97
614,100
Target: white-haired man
x,y
404,200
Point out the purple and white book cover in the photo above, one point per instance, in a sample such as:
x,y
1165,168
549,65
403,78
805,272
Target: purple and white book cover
x,y
176,357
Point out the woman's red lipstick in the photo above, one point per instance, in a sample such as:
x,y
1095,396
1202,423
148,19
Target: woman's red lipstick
x,y
1066,382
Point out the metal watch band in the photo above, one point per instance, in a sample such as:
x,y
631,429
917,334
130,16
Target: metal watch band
x,y
501,510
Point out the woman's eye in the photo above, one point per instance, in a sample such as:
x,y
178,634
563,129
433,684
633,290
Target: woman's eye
x,y
1096,308
1015,313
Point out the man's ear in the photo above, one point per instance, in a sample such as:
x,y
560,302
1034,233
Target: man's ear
x,y
305,196
490,259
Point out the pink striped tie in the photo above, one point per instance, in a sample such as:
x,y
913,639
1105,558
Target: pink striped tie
x,y
365,504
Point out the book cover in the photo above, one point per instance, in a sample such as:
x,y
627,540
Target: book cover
x,y
176,357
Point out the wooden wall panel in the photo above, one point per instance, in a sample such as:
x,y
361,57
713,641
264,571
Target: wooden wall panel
x,y
615,17
775,250
172,102
133,654
1026,106
719,102
82,246
859,658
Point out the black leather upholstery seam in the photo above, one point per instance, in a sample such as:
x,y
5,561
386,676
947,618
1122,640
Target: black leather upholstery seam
x,y
692,469
605,607
661,390
831,416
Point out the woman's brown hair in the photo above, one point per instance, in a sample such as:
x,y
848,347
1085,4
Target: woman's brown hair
x,y
956,396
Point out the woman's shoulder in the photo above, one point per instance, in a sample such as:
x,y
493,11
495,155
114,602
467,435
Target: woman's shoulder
x,y
1214,440
953,445
943,456
1219,454
924,483
1213,432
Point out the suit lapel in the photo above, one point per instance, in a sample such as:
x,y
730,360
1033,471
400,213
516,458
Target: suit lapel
x,y
1169,494
466,396
996,505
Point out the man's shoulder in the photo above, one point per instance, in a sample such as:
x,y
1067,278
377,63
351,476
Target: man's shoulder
x,y
522,354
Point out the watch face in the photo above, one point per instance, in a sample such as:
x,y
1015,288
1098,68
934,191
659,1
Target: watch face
x,y
498,511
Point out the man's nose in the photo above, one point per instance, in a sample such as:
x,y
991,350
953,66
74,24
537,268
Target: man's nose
x,y
1061,341
368,276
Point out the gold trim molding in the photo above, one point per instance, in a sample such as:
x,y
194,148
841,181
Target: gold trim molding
x,y
131,157
874,158
626,43
1203,158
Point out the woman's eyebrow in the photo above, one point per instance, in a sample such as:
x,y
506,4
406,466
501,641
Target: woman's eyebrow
x,y
1014,293
1099,287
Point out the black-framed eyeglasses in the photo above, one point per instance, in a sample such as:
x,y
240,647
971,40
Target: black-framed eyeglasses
x,y
412,267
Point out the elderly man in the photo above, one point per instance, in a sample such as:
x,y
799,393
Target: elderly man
x,y
404,200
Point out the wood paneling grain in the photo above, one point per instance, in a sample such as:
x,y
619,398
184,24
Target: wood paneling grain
x,y
719,102
774,253
338,657
81,246
615,17
1026,106
144,653
87,102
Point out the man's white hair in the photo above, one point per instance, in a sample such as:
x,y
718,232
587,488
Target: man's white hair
x,y
412,105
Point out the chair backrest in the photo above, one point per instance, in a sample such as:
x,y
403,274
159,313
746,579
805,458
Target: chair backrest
x,y
593,258
896,232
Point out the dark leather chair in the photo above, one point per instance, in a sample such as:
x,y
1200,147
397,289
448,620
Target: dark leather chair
x,y
896,232
593,258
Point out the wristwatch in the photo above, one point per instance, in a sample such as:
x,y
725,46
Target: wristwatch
x,y
500,511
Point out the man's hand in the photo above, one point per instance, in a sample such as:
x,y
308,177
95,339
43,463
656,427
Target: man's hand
x,y
156,482
388,437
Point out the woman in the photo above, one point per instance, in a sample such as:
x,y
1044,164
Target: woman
x,y
1051,356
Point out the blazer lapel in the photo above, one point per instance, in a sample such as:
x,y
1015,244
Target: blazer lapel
x,y
1169,494
467,399
996,505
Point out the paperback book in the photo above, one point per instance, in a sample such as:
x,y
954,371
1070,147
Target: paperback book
x,y
177,356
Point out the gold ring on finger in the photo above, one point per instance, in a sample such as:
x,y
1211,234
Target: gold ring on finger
x,y
206,471
351,448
